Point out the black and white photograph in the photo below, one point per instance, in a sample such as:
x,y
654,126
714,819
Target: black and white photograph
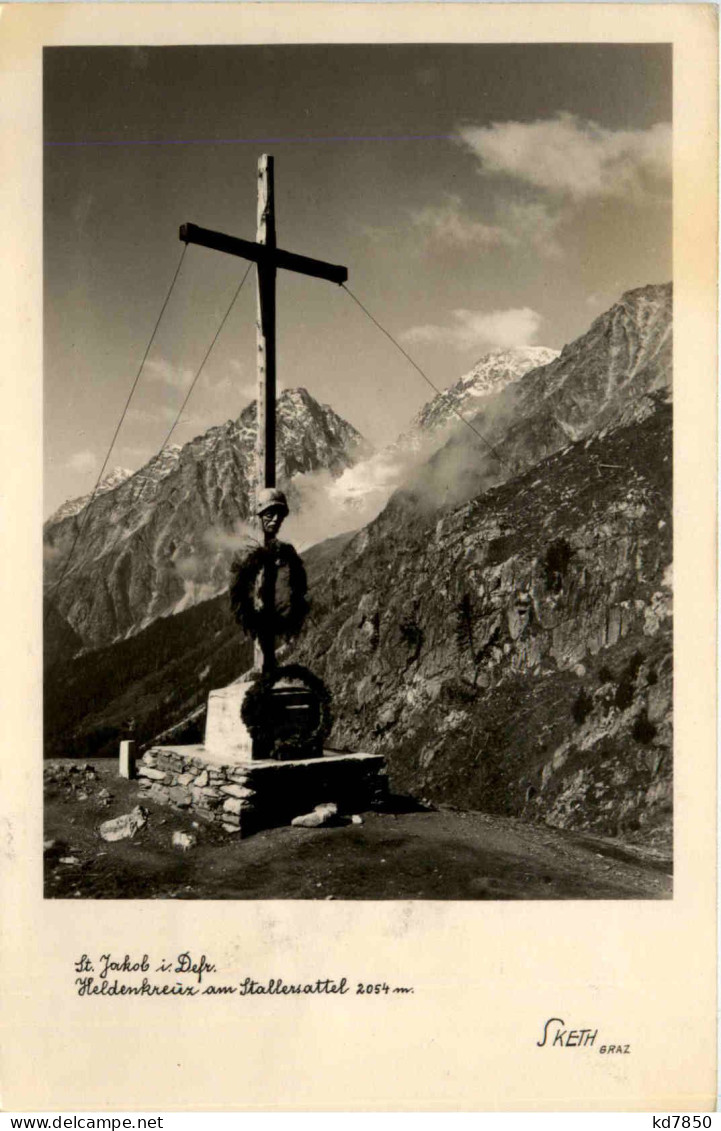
x,y
358,487
359,497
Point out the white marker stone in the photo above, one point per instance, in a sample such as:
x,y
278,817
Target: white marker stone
x,y
127,758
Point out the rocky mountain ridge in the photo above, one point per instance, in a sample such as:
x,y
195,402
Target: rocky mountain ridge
x,y
502,631
109,482
513,654
160,540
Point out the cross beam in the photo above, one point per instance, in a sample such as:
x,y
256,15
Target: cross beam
x,y
261,254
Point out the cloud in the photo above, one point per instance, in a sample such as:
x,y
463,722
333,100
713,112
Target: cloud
x,y
165,373
531,223
447,224
242,385
517,224
162,412
132,453
241,537
457,473
219,394
160,370
322,506
375,233
574,158
234,386
213,397
240,392
218,386
83,461
437,468
471,329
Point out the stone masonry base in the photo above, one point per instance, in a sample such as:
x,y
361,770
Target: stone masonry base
x,y
244,797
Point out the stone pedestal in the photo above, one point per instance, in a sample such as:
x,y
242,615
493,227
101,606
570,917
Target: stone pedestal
x,y
226,735
243,797
227,738
230,782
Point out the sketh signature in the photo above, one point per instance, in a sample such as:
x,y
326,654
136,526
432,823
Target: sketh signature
x,y
575,1038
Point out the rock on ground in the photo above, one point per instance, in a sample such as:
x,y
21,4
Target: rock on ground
x,y
321,815
124,827
183,840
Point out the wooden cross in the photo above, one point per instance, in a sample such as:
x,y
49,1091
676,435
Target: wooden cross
x,y
268,258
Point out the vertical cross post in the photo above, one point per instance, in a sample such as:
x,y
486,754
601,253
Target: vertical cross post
x,y
265,451
266,271
268,258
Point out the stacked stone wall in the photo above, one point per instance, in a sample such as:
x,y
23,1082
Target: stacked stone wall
x,y
245,797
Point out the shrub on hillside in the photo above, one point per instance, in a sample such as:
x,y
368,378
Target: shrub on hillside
x,y
582,705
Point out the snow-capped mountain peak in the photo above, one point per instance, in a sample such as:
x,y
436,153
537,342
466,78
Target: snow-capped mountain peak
x,y
489,375
109,482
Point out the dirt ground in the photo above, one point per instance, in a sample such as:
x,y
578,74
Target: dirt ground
x,y
400,853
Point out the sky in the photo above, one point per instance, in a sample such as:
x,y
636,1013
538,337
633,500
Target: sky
x,y
481,197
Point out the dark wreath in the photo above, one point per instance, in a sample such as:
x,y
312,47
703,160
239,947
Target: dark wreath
x,y
288,621
257,708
